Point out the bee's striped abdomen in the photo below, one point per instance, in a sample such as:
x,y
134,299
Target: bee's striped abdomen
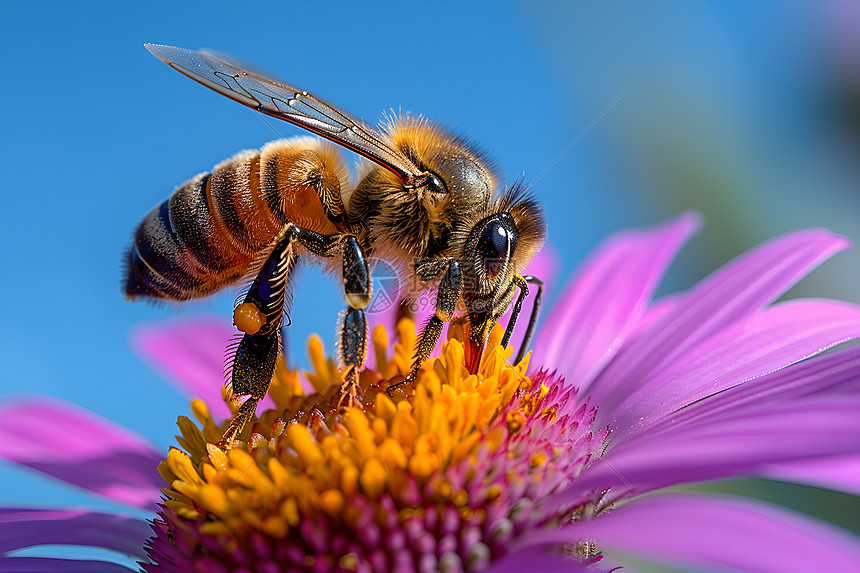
x,y
152,265
205,236
182,249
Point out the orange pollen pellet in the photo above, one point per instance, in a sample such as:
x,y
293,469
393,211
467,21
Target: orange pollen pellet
x,y
248,318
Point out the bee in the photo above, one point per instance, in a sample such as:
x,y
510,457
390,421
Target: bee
x,y
428,203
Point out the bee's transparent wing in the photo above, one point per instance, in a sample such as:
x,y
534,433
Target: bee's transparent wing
x,y
256,89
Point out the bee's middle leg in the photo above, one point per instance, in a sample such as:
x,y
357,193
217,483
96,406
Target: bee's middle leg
x,y
357,291
353,334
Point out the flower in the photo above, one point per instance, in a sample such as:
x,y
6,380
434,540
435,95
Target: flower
x,y
445,478
542,466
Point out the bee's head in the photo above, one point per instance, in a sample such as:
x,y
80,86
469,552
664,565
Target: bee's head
x,y
455,179
496,249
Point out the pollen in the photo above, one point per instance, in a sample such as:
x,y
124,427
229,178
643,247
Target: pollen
x,y
248,318
451,467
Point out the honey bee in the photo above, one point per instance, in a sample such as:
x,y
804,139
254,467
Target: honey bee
x,y
428,203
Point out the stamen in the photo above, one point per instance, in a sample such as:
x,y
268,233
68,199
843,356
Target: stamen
x,y
447,474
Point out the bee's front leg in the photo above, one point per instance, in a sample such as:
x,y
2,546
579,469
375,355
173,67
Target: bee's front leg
x,y
450,289
521,281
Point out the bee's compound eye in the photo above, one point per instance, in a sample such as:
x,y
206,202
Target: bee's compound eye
x,y
494,241
496,246
248,318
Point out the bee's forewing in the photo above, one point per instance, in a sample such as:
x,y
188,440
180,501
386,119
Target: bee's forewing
x,y
256,89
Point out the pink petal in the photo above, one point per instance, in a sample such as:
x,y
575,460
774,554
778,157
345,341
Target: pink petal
x,y
20,528
732,292
724,534
742,443
190,353
658,309
603,303
767,341
543,558
539,543
832,373
81,448
52,565
840,473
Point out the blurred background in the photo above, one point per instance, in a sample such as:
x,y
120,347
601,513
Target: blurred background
x,y
748,113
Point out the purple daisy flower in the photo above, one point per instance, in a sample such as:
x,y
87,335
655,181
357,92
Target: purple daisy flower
x,y
541,467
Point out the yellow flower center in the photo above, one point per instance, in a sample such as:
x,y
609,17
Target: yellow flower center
x,y
448,470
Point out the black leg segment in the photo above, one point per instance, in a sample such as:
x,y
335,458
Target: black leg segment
x,y
518,306
533,318
356,274
259,317
353,346
353,338
450,290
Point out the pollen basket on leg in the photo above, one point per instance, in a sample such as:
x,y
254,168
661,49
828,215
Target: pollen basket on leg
x,y
248,318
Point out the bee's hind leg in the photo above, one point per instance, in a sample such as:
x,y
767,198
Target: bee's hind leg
x,y
259,316
253,369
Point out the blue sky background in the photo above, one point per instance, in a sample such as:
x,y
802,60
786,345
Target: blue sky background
x,y
749,114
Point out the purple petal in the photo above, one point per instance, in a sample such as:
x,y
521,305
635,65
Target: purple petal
x,y
191,355
544,558
836,372
765,342
741,443
603,303
658,309
544,542
81,448
20,528
52,565
724,533
840,473
732,292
